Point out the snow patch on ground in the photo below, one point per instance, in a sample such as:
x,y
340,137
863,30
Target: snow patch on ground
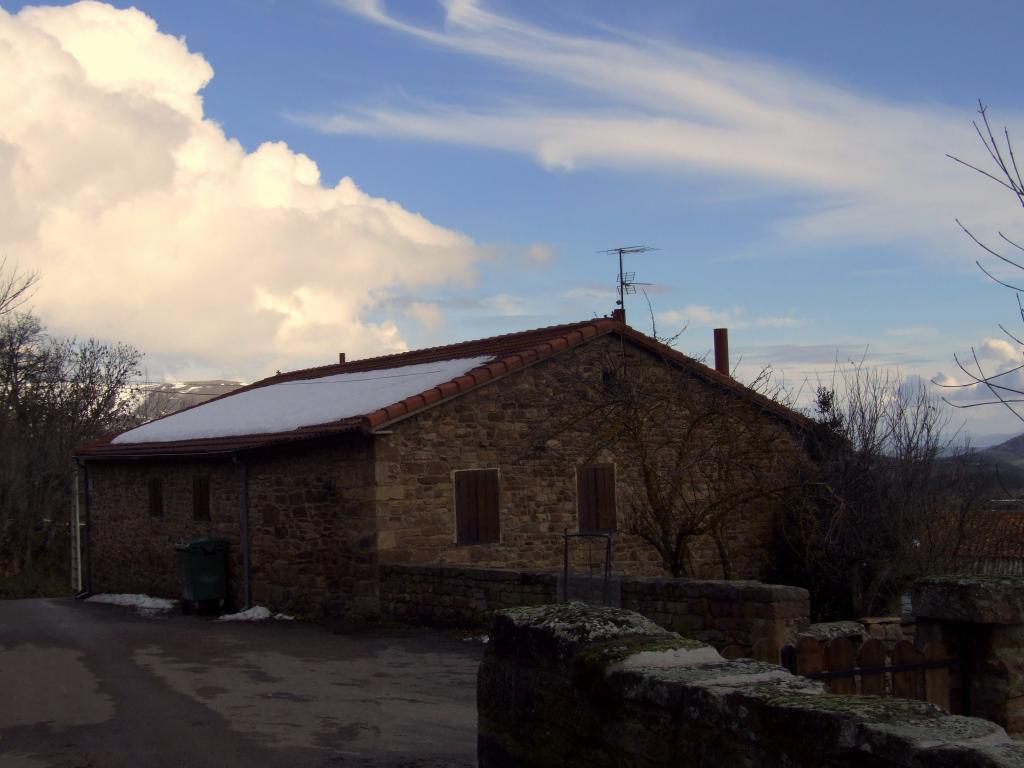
x,y
256,613
290,405
145,604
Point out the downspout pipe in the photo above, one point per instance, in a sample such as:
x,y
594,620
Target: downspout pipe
x,y
246,543
86,550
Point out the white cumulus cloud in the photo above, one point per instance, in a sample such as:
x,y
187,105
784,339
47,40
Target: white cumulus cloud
x,y
149,224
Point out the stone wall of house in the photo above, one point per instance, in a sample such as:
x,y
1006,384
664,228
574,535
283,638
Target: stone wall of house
x,y
720,613
312,529
570,685
131,551
518,424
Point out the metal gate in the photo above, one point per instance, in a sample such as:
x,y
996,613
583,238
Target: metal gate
x,y
587,570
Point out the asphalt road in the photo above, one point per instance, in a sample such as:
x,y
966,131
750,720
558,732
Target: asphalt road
x,y
98,686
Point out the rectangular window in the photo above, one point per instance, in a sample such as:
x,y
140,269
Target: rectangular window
x,y
156,497
201,498
476,506
595,497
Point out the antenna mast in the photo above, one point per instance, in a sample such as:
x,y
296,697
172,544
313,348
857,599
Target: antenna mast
x,y
627,280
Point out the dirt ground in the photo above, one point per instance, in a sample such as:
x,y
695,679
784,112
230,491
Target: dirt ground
x,y
98,686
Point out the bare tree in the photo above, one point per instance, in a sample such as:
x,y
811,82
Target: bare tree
x,y
15,287
885,493
54,395
1006,173
696,456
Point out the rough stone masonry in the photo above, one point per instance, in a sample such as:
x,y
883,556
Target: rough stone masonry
x,y
574,685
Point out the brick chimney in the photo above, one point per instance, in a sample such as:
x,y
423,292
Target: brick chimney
x,y
341,357
619,314
722,350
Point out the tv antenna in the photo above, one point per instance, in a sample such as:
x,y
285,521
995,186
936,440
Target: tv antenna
x,y
627,280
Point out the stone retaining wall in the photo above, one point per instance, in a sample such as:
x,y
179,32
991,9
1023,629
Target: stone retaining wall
x,y
720,613
457,596
981,621
571,685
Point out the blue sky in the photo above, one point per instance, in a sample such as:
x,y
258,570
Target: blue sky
x,y
786,159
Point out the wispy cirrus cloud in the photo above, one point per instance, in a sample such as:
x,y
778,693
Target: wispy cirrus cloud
x,y
702,316
872,169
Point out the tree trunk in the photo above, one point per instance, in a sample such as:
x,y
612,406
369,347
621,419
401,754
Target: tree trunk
x,y
723,556
856,589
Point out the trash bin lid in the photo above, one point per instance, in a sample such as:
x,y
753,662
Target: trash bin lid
x,y
206,544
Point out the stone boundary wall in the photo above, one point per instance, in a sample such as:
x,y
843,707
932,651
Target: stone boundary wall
x,y
980,619
720,613
572,685
459,596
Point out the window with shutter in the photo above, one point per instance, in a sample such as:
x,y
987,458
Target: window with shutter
x,y
156,497
595,497
201,498
476,506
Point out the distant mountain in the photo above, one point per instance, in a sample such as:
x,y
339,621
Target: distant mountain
x,y
164,399
989,439
1004,461
1014,447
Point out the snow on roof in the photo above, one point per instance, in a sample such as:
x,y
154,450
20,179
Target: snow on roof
x,y
289,405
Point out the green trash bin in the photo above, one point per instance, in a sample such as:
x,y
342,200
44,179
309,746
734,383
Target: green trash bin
x,y
203,571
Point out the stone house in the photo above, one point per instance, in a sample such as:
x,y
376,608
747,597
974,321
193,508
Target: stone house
x,y
443,456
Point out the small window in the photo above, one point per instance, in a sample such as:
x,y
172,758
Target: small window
x,y
156,497
476,506
201,498
595,497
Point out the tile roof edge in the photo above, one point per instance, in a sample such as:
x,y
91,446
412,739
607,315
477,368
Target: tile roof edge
x,y
104,449
490,371
574,335
333,369
457,349
705,371
583,332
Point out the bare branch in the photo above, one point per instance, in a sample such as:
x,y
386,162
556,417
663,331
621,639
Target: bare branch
x,y
996,179
15,287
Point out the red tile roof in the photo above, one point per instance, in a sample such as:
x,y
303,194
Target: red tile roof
x,y
510,352
994,534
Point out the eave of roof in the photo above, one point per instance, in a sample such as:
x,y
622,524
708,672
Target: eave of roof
x,y
512,352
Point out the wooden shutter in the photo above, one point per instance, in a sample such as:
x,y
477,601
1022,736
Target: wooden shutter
x,y
465,508
595,499
476,506
156,497
604,482
586,501
487,504
201,498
